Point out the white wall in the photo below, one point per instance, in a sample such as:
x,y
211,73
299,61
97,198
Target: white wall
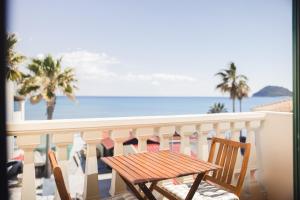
x,y
275,155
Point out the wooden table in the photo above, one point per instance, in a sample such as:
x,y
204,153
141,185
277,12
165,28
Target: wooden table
x,y
139,169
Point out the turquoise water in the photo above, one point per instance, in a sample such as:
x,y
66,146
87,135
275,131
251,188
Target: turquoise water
x,y
93,107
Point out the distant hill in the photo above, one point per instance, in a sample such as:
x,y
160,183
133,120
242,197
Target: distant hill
x,y
273,91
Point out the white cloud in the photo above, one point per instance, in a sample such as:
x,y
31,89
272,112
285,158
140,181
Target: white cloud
x,y
85,57
156,78
95,74
89,65
174,77
96,66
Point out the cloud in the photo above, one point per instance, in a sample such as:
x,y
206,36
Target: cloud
x,y
156,78
100,74
89,65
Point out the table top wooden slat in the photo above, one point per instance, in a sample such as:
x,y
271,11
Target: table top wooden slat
x,y
155,166
166,161
169,158
141,167
195,163
127,172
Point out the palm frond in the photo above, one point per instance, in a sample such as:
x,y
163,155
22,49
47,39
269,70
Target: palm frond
x,y
36,99
13,59
217,108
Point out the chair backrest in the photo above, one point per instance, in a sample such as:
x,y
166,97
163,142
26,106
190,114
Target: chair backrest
x,y
59,180
224,153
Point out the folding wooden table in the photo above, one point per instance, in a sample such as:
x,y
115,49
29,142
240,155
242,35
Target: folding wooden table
x,y
151,167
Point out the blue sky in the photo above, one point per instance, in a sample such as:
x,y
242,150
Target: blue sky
x,y
159,48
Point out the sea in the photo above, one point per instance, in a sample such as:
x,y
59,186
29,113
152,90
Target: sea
x,y
107,106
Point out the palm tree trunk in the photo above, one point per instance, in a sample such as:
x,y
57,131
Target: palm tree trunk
x,y
240,100
50,110
233,104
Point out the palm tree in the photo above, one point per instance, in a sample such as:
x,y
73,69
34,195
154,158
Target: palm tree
x,y
243,91
229,80
13,59
217,108
45,79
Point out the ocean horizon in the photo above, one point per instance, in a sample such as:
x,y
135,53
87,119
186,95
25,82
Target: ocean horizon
x,y
124,106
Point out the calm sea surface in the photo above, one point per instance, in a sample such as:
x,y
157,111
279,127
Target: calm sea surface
x,y
93,107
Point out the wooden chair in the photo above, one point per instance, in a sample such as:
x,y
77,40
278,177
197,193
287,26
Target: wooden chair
x,y
62,189
59,180
224,153
226,156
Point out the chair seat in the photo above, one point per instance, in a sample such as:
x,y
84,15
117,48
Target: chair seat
x,y
205,191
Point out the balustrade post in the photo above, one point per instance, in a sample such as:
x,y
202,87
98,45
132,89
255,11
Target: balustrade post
x,y
251,140
118,136
186,132
259,172
62,140
252,129
28,144
235,128
217,129
202,144
91,190
143,134
165,135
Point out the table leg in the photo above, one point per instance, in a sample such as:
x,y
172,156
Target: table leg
x,y
133,189
153,184
195,186
147,191
151,188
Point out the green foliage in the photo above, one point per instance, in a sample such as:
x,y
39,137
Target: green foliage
x,y
217,108
45,79
242,89
231,83
13,59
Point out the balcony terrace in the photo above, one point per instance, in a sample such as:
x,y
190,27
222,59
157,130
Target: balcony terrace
x,y
270,134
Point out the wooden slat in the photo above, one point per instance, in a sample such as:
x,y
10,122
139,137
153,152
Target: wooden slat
x,y
193,162
123,172
227,156
162,163
212,152
182,162
232,164
152,168
222,162
227,162
178,166
218,158
145,167
141,169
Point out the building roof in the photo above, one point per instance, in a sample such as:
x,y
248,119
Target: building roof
x,y
285,105
109,143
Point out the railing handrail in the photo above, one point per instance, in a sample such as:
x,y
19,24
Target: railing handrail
x,y
90,124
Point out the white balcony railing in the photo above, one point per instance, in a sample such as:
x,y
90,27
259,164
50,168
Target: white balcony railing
x,y
257,124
